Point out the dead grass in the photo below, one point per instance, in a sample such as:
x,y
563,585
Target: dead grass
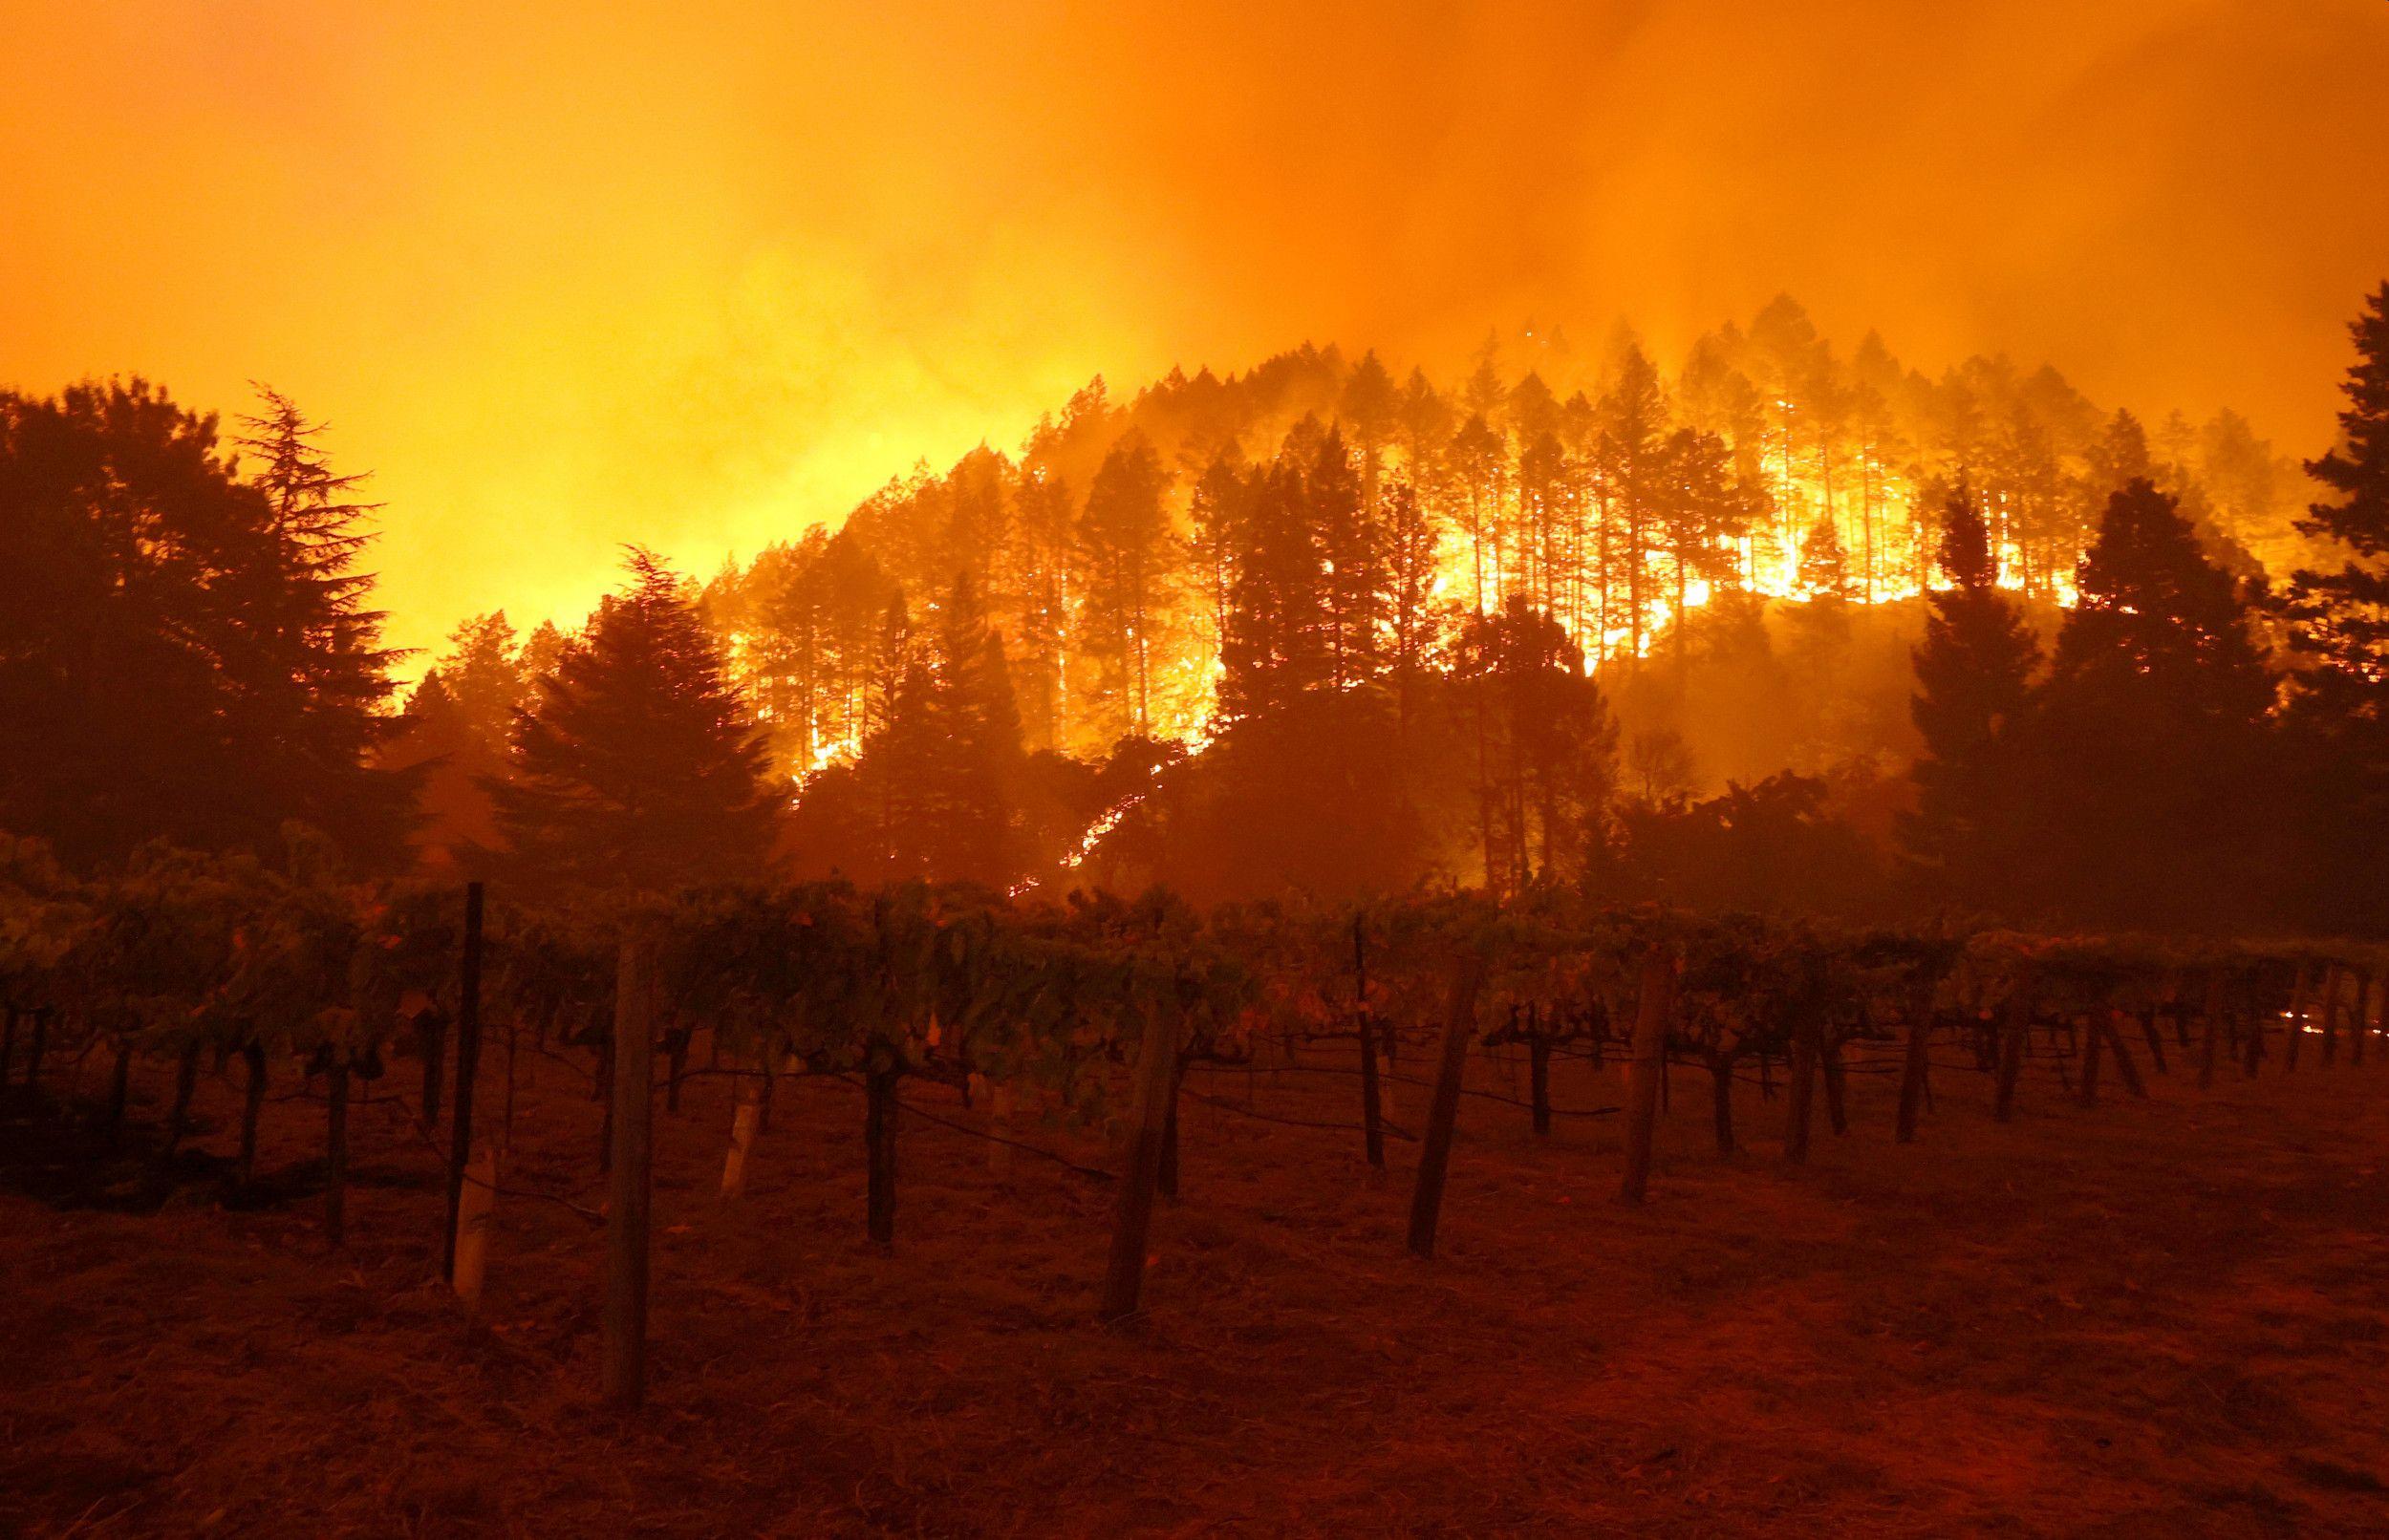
x,y
2150,1318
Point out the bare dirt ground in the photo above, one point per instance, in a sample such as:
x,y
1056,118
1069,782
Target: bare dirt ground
x,y
2157,1319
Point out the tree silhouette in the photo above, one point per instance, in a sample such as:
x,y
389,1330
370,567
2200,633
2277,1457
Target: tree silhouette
x,y
1633,433
1413,620
312,602
1546,746
1275,647
1473,462
1041,521
2339,633
1219,515
937,791
1702,509
977,827
1128,554
184,653
459,728
1974,682
1824,564
2150,743
1354,586
637,768
2342,618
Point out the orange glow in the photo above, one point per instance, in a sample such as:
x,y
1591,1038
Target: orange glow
x,y
699,274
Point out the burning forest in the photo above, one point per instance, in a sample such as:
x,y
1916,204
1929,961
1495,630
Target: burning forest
x,y
1595,900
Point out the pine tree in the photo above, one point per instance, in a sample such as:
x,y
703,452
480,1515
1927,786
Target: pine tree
x,y
1973,676
1634,426
1700,509
326,635
459,727
1546,747
2339,633
436,741
1354,581
2341,619
1414,622
1476,464
484,671
907,770
978,829
1275,646
891,655
2150,743
1423,420
638,766
936,788
1824,566
1370,412
1218,517
1130,557
1041,514
185,652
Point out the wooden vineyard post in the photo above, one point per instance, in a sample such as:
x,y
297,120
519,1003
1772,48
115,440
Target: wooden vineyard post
x,y
625,1334
2211,1030
743,1121
2331,1016
879,1139
480,1196
676,1043
1654,1000
2298,1003
1372,1104
1829,1060
2019,1021
336,1151
1917,1065
1133,1220
1166,1179
2124,1066
1800,1103
467,1072
1434,1157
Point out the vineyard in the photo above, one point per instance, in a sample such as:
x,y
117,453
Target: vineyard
x,y
497,1099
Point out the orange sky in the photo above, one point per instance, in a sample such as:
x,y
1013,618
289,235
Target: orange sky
x,y
698,273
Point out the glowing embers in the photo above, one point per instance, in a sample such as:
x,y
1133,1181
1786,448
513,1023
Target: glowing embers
x,y
1094,834
827,753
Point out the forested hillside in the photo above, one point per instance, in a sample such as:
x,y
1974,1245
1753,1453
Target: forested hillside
x,y
1319,625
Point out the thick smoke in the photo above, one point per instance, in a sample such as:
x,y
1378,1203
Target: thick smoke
x,y
698,273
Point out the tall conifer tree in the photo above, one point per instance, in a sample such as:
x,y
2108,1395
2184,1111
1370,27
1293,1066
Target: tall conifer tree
x,y
2151,742
2339,632
638,766
1974,682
